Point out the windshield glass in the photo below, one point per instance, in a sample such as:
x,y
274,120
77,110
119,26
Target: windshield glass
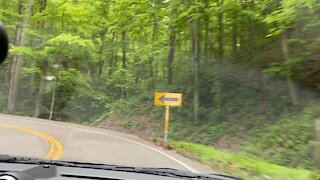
x,y
213,86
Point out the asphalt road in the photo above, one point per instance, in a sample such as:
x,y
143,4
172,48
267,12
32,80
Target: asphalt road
x,y
32,137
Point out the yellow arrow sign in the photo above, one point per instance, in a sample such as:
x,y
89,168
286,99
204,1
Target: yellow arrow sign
x,y
168,99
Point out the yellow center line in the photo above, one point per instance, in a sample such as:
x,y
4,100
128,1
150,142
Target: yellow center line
x,y
55,147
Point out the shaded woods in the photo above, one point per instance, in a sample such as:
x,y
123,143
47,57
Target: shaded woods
x,y
245,67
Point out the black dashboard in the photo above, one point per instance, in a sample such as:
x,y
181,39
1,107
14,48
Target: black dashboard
x,y
17,171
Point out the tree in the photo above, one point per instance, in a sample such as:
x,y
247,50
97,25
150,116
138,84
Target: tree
x,y
171,43
195,34
220,16
17,61
284,17
122,49
44,67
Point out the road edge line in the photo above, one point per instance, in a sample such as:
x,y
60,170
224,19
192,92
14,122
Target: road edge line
x,y
55,147
126,139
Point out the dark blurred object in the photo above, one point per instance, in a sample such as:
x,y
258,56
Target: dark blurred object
x,y
4,44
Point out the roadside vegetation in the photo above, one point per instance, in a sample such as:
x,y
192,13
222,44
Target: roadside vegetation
x,y
248,70
240,165
276,147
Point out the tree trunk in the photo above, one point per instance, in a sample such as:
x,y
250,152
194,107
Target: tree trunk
x,y
17,61
43,5
206,32
234,38
196,65
217,90
44,66
151,73
124,50
123,91
53,99
293,92
221,31
171,53
113,54
151,59
101,62
13,62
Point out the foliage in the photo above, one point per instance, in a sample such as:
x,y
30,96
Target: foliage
x,y
240,165
289,141
103,57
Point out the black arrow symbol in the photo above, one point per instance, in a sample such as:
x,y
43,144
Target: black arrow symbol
x,y
163,99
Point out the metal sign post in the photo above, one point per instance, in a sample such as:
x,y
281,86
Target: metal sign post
x,y
167,100
166,124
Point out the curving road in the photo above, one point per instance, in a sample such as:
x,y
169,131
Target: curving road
x,y
32,137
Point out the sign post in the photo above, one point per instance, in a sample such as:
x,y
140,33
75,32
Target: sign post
x,y
166,124
167,100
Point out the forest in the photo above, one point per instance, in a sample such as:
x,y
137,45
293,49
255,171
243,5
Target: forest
x,y
249,70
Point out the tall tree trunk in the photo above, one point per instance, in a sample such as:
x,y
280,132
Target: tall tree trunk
x,y
293,92
124,50
44,67
123,91
206,32
196,66
151,59
217,86
217,90
12,63
171,45
101,62
234,38
53,98
113,53
221,31
171,53
17,61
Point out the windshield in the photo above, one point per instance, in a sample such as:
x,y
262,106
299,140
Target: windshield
x,y
213,86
